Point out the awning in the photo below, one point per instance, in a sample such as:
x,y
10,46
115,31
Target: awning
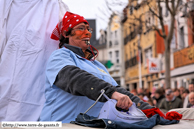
x,y
182,70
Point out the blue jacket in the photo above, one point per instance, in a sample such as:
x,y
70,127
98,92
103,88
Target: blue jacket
x,y
74,82
61,105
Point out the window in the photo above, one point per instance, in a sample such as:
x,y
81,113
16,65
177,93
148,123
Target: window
x,y
117,56
117,53
127,87
149,20
166,13
101,40
181,38
175,84
116,42
153,20
161,10
146,25
131,8
117,60
110,43
110,55
183,83
110,34
118,82
125,32
180,3
135,52
130,54
115,33
148,54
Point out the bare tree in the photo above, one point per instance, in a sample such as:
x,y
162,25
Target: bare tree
x,y
110,7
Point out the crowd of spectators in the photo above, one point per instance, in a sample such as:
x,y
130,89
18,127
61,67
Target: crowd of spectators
x,y
167,99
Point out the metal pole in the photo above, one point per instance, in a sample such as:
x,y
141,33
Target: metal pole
x,y
139,52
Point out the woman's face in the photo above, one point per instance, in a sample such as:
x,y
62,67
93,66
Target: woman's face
x,y
80,35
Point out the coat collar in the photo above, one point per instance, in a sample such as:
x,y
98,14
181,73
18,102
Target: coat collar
x,y
78,51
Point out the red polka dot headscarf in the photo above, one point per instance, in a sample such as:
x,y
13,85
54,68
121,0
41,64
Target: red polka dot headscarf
x,y
69,21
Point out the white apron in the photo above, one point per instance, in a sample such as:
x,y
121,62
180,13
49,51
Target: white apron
x,y
25,45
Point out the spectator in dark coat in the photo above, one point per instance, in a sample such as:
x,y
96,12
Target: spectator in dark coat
x,y
171,101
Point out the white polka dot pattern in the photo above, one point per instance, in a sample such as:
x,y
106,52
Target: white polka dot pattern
x,y
69,21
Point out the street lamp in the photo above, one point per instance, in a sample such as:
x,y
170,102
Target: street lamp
x,y
139,54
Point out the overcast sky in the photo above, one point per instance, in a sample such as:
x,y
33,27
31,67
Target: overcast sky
x,y
93,9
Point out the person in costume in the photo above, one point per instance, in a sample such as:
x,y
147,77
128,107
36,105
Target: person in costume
x,y
25,46
74,79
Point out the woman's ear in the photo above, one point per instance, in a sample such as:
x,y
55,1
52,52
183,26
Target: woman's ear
x,y
64,34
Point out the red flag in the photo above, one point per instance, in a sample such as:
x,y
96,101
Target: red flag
x,y
137,56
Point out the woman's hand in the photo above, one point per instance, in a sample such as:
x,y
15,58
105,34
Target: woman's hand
x,y
123,101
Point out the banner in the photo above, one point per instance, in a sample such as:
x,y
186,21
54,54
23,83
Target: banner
x,y
153,65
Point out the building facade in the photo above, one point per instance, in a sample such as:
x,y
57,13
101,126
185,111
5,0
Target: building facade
x,y
139,46
183,72
181,46
138,38
115,50
100,45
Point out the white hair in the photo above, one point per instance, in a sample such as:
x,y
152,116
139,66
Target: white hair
x,y
191,93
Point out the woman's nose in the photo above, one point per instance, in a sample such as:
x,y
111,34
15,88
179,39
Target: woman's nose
x,y
87,32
